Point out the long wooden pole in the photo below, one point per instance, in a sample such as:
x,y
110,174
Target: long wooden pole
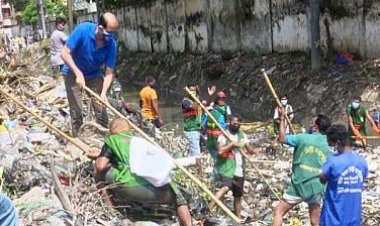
x,y
193,178
230,138
368,137
269,83
81,146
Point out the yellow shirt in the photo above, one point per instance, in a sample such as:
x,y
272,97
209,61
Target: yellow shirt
x,y
147,94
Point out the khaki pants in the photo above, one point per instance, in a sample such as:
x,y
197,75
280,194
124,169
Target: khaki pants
x,y
75,98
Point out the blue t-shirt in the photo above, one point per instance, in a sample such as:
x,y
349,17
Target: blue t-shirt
x,y
86,55
345,175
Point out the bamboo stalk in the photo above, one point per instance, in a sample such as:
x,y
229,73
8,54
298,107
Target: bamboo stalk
x,y
81,146
60,191
270,86
230,138
193,178
368,137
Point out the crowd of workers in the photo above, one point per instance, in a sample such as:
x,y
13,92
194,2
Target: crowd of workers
x,y
319,173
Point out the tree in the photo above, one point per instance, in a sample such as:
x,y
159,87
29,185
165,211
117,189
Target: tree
x,y
316,58
53,9
18,5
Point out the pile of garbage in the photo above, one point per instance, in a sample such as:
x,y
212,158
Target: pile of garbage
x,y
51,180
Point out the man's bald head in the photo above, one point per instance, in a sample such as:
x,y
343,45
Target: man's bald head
x,y
119,125
109,22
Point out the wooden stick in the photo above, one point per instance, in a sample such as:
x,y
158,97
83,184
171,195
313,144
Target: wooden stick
x,y
269,83
230,138
193,178
80,145
60,192
368,137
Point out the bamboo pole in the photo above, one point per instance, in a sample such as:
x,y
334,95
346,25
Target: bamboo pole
x,y
270,86
81,146
368,137
230,138
193,178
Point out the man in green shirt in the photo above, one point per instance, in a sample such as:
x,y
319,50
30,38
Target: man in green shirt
x,y
230,164
311,151
113,167
357,116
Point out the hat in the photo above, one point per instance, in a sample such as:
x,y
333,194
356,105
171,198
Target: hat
x,y
221,94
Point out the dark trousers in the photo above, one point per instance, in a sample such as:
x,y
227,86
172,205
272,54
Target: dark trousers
x,y
75,98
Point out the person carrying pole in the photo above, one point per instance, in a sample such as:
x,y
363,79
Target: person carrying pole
x,y
288,110
115,166
311,151
230,163
89,47
357,116
221,111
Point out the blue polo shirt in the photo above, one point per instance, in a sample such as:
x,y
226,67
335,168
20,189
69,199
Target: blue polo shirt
x,y
88,58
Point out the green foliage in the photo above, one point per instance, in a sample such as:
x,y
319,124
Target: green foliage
x,y
18,5
53,9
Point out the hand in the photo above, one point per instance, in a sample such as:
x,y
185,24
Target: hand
x,y
104,97
280,112
80,79
211,90
236,144
93,153
376,129
255,151
357,134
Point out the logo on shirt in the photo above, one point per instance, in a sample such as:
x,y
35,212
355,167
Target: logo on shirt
x,y
349,180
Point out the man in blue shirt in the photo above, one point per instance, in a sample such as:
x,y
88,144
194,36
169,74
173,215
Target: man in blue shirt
x,y
345,174
89,47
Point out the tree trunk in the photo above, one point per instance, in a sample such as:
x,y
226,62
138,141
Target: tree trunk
x,y
316,59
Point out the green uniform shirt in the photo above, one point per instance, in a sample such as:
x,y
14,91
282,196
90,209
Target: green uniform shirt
x,y
225,164
220,114
191,116
119,144
311,151
358,118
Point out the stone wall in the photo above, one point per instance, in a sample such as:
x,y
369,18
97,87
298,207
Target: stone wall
x,y
259,26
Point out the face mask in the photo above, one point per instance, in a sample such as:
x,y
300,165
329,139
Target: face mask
x,y
284,102
107,36
355,105
234,128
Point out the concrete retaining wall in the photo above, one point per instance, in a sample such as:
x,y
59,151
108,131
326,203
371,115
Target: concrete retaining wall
x,y
260,26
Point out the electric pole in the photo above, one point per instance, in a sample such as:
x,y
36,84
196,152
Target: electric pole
x,y
40,6
316,58
70,14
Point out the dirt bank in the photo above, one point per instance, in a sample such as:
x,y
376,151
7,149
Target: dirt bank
x,y
239,75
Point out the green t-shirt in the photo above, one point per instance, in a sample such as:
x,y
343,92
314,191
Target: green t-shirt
x,y
191,116
226,164
358,116
119,144
311,151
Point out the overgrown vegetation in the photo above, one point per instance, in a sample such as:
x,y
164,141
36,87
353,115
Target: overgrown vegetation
x,y
53,9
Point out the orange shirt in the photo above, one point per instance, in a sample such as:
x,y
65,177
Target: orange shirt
x,y
147,94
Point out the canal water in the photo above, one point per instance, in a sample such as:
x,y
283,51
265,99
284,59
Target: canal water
x,y
168,104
